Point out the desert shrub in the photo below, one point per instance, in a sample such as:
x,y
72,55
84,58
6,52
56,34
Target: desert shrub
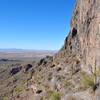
x,y
49,93
59,77
87,81
46,85
59,60
67,83
97,72
40,74
71,55
53,95
49,76
20,89
5,98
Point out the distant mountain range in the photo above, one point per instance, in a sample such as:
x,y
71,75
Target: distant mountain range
x,y
33,50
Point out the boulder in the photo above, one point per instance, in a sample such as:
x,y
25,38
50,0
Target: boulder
x,y
15,70
27,67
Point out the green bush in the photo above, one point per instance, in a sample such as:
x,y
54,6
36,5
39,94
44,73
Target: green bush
x,y
20,89
53,95
87,81
46,85
59,77
71,55
97,72
67,83
49,77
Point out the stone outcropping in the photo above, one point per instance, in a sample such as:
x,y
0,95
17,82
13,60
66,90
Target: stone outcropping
x,y
84,37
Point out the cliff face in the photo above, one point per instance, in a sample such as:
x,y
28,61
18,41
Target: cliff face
x,y
84,37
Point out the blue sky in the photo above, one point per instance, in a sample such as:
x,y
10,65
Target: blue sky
x,y
34,24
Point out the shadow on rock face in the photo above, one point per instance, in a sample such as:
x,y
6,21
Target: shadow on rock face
x,y
15,70
27,67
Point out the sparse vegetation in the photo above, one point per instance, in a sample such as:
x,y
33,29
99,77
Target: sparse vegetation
x,y
57,60
67,83
6,98
46,85
20,89
53,95
93,79
49,76
59,77
87,81
39,75
71,55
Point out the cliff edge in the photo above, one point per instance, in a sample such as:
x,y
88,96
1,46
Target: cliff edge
x,y
84,37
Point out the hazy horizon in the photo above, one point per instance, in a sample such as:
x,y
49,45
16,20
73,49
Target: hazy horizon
x,y
28,49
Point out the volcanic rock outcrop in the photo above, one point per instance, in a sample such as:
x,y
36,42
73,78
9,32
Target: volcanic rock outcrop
x,y
84,37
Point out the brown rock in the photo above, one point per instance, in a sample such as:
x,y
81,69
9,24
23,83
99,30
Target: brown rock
x,y
84,36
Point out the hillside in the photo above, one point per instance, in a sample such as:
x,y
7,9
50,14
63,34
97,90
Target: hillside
x,y
73,73
16,68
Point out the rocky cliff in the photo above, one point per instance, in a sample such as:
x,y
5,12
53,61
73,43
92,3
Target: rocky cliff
x,y
84,36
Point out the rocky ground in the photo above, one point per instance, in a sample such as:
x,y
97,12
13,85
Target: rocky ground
x,y
48,79
15,74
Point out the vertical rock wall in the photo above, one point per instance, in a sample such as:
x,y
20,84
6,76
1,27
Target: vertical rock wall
x,y
84,35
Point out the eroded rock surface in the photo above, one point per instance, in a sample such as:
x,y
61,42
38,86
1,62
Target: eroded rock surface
x,y
84,37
